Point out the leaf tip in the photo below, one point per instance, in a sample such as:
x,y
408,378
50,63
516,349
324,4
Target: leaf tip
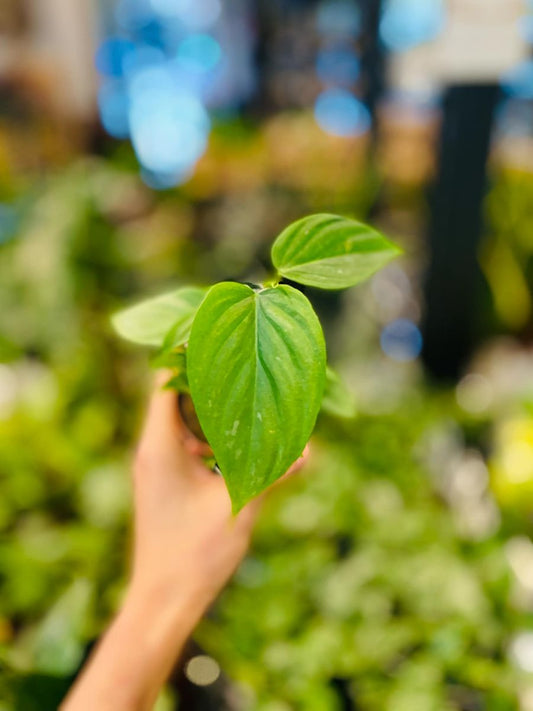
x,y
237,502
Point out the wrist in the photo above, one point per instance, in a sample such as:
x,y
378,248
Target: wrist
x,y
137,652
164,604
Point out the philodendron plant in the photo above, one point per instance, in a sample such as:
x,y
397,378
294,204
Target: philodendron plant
x,y
253,357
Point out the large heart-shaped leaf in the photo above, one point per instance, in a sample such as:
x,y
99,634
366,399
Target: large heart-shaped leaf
x,y
256,369
330,252
164,319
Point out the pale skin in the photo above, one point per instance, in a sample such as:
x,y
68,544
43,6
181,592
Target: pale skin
x,y
186,546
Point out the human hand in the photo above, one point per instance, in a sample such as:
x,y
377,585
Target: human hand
x,y
187,542
186,546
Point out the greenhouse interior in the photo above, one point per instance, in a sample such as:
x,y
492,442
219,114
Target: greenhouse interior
x,y
147,145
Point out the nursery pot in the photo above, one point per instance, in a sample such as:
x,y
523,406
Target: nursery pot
x,y
190,420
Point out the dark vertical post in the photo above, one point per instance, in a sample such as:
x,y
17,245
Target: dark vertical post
x,y
453,276
372,56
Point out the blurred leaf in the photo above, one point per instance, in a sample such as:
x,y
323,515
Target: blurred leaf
x,y
508,284
164,319
170,358
330,252
337,399
256,368
59,643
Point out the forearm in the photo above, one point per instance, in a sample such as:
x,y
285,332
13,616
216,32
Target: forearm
x,y
137,653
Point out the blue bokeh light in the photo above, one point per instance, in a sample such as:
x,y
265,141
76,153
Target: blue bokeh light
x,y
519,82
198,53
340,113
407,23
133,15
112,54
338,66
164,181
339,17
401,340
195,14
114,105
144,57
169,126
9,221
160,74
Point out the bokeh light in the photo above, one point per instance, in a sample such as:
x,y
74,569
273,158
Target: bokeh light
x,y
195,14
198,53
519,82
114,105
340,113
169,129
8,222
134,15
521,651
407,23
202,670
158,80
339,17
112,54
401,340
145,56
474,393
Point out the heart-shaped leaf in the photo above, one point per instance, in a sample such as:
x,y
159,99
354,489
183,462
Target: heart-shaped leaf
x,y
164,319
256,369
330,252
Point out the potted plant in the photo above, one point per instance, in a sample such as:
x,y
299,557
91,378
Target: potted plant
x,y
252,357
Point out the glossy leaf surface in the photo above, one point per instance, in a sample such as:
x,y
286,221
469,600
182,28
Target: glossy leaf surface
x,y
164,319
330,252
256,370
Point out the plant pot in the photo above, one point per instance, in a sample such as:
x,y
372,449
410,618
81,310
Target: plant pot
x,y
190,420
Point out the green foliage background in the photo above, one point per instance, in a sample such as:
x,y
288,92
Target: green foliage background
x,y
360,584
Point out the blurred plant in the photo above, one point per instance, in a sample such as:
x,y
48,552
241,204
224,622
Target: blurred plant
x,y
507,253
364,588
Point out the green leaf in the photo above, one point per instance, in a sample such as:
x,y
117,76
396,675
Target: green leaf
x,y
330,252
164,319
256,368
59,642
337,400
173,359
178,383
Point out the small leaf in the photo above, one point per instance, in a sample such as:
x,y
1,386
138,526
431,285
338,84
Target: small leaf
x,y
330,252
337,400
174,359
256,368
178,383
163,319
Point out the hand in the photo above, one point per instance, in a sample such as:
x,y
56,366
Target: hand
x,y
186,540
186,546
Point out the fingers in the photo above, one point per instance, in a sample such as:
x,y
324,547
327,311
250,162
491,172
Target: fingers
x,y
166,440
162,432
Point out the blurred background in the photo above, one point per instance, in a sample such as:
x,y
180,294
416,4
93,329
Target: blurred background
x,y
148,143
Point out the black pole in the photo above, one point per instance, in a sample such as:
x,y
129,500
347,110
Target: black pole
x,y
373,56
453,278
